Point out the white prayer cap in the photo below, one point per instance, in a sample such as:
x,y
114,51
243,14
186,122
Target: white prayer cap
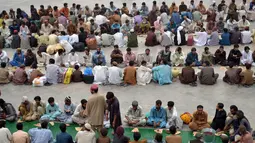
x,y
214,1
132,30
24,98
87,126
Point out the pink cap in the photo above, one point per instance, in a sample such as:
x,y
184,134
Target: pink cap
x,y
93,87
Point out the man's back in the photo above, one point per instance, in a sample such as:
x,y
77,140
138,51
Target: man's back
x,y
40,135
5,135
64,138
130,75
206,76
85,137
174,139
4,75
233,75
52,72
20,137
115,75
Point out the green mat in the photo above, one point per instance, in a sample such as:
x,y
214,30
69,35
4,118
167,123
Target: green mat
x,y
145,132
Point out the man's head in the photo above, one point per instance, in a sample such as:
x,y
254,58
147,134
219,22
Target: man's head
x,y
221,48
19,126
76,67
128,51
110,96
62,127
239,114
37,99
143,63
170,105
136,136
51,101
68,100
87,51
51,61
220,106
167,48
2,102
248,66
236,46
158,104
44,125
3,65
25,100
158,137
231,64
98,50
147,51
243,17
233,109
206,49
131,63
134,104
192,2
84,103
94,88
111,3
201,2
224,138
178,49
154,2
116,47
246,49
87,127
200,109
2,123
172,130
242,130
143,4
104,132
65,5
193,50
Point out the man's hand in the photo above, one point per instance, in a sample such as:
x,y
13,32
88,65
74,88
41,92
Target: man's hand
x,y
81,114
154,124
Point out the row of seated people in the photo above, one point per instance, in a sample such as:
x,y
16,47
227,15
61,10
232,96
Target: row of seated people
x,y
158,117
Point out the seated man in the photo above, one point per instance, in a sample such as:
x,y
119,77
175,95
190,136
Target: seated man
x,y
52,111
7,111
178,57
115,74
5,77
77,75
118,38
201,38
73,59
3,56
69,108
192,58
172,117
20,75
100,73
25,109
219,119
207,75
246,36
235,55
130,74
173,138
34,73
134,115
220,56
199,121
162,74
188,75
42,134
116,55
207,56
232,75
52,72
98,56
88,58
164,55
143,74
39,108
157,116
247,76
246,56
132,39
145,57
129,56
151,39
78,116
243,23
230,118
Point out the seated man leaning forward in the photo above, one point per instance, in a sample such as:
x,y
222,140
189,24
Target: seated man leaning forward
x,y
199,121
52,110
135,116
162,74
25,109
79,117
39,108
207,75
157,116
172,117
7,111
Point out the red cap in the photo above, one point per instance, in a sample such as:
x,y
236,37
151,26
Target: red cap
x,y
93,87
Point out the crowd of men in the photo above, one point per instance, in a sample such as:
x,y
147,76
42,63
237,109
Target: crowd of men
x,y
96,113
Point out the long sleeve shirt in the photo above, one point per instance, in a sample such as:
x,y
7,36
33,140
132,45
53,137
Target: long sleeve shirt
x,y
73,58
78,110
5,135
158,115
135,114
52,109
171,113
40,135
70,107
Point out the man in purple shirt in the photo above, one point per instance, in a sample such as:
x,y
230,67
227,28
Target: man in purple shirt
x,y
62,20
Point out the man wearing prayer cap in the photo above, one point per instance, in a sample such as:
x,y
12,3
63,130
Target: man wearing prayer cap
x,y
134,115
25,109
86,136
95,108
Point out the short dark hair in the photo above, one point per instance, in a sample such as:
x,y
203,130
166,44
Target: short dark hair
x,y
225,30
116,46
221,105
125,139
19,126
200,106
83,101
170,104
207,63
167,47
236,46
246,48
143,62
51,61
158,137
136,136
206,48
3,65
44,124
2,123
51,99
231,64
104,132
62,127
109,95
172,130
76,67
234,107
37,98
248,66
193,49
128,49
158,102
131,63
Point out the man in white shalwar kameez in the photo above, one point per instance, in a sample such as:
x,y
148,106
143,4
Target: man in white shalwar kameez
x,y
200,38
100,73
143,74
246,56
73,59
172,117
119,39
78,116
115,74
3,56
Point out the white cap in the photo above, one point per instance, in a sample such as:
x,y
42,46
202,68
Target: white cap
x,y
87,126
214,1
24,98
132,30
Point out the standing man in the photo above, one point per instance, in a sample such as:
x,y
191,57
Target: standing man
x,y
114,109
95,108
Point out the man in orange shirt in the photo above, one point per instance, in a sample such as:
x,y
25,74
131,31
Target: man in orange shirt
x,y
65,10
130,74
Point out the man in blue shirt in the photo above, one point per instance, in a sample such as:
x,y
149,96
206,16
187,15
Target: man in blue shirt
x,y
41,135
98,56
63,137
157,117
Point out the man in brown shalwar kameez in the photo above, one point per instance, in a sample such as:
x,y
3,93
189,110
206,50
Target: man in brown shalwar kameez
x,y
199,121
188,75
20,75
95,108
232,75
